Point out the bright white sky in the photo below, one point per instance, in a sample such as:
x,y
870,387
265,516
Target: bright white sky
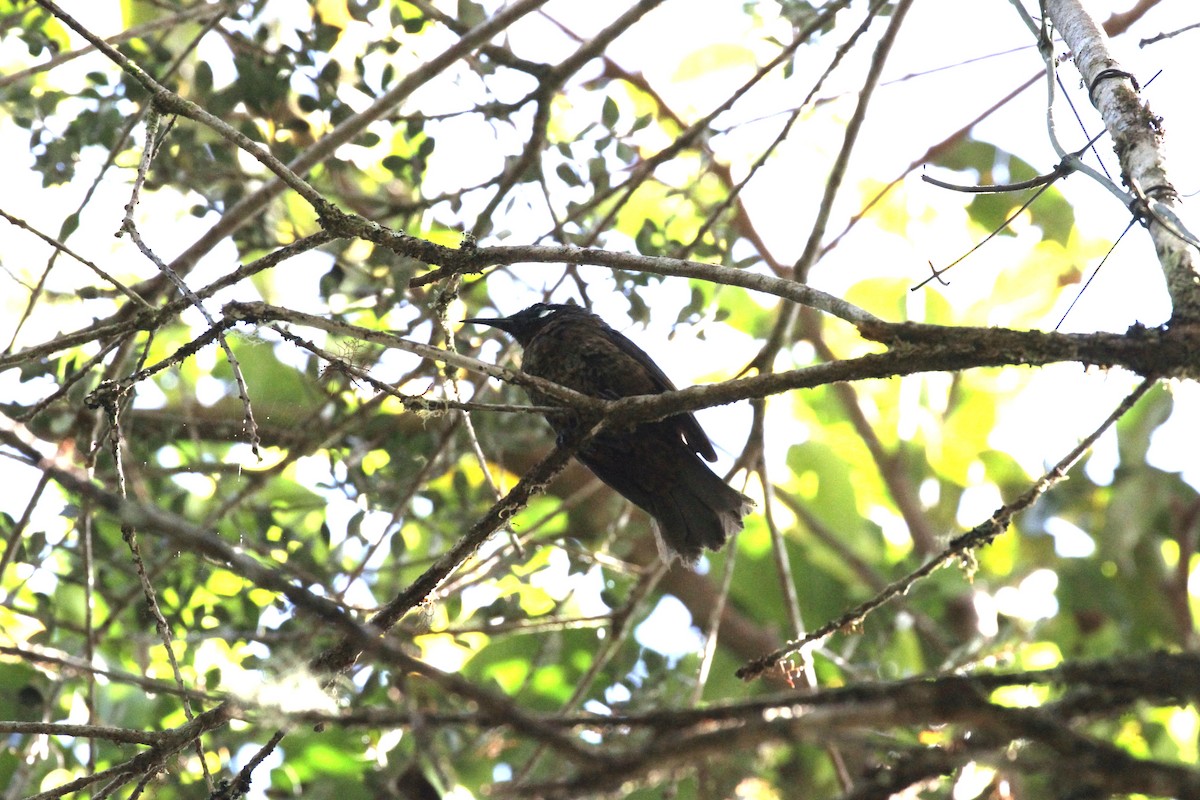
x,y
1058,409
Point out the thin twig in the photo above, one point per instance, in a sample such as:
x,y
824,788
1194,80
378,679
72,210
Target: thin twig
x,y
959,548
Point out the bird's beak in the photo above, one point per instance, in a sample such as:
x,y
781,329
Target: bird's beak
x,y
503,323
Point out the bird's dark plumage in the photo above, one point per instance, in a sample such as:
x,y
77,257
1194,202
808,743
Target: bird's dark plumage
x,y
656,465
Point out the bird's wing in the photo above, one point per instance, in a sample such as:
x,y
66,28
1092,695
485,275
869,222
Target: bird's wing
x,y
686,424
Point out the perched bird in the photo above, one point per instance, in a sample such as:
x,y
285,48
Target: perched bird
x,y
654,465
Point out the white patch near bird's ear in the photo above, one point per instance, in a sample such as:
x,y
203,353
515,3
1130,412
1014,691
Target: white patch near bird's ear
x,y
545,312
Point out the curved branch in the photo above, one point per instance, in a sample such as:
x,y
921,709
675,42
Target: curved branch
x,y
460,261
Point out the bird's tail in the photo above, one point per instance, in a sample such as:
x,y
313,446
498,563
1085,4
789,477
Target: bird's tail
x,y
700,510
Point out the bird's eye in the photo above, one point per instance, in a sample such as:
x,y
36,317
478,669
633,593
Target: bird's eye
x,y
545,312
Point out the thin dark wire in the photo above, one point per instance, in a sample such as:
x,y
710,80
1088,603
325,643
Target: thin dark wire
x,y
1091,145
1091,277
938,273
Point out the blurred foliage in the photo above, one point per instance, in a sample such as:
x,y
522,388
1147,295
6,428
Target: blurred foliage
x,y
354,496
